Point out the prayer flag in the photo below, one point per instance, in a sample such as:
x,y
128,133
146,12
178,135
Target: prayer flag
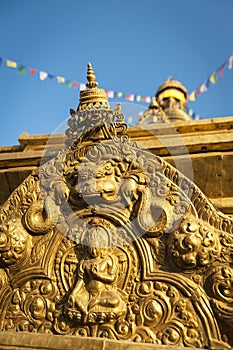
x,y
22,70
230,61
110,94
147,99
68,84
119,94
11,64
192,96
43,75
203,88
32,71
75,84
60,79
1,59
130,97
213,78
138,98
190,112
82,86
220,72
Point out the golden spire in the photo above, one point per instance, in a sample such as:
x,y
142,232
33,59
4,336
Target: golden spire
x,y
92,97
91,77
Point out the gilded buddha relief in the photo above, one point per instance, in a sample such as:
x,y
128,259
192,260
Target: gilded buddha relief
x,y
95,297
108,240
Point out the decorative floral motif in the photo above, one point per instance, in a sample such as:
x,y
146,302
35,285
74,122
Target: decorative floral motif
x,y
194,245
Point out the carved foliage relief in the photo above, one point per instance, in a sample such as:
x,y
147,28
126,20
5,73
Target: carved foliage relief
x,y
108,240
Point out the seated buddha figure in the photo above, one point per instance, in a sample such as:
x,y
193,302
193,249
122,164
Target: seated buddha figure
x,y
95,297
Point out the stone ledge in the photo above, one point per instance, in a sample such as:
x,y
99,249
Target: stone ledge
x,y
38,341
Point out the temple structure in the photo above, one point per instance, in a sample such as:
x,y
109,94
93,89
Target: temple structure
x,y
111,236
169,104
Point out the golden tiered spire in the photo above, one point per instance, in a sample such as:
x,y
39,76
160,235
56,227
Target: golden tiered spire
x,y
91,77
92,97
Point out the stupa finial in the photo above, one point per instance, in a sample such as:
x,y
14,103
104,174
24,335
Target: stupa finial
x,y
93,97
91,77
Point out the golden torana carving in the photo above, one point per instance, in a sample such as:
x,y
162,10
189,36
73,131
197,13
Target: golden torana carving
x,y
108,240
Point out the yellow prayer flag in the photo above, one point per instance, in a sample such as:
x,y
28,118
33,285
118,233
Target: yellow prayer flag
x,y
138,98
60,79
192,96
190,112
213,78
119,94
11,64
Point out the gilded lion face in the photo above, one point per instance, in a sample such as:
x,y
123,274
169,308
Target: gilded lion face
x,y
94,183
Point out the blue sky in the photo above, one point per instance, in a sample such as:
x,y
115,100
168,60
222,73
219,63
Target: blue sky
x,y
133,45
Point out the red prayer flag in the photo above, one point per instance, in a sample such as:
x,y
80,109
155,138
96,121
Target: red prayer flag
x,y
221,70
75,84
32,71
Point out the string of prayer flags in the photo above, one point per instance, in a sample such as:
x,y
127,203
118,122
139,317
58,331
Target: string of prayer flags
x,y
192,114
213,78
43,75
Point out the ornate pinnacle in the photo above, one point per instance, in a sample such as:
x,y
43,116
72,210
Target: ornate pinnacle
x,y
93,95
91,77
